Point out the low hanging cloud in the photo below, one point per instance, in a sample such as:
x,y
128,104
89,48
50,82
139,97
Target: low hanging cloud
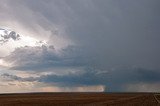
x,y
91,77
116,80
9,77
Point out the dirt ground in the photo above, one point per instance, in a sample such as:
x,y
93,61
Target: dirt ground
x,y
79,99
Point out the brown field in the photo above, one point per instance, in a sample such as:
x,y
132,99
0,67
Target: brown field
x,y
79,99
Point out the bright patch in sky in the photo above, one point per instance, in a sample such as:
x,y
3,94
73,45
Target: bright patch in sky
x,y
3,63
10,44
1,31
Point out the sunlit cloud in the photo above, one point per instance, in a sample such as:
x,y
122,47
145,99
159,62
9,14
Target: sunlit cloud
x,y
4,64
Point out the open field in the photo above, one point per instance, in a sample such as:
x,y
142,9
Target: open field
x,y
80,99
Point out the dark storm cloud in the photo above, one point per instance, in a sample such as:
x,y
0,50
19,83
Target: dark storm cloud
x,y
118,79
88,77
115,33
115,80
107,35
45,56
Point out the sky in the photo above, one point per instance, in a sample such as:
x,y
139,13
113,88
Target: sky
x,y
79,46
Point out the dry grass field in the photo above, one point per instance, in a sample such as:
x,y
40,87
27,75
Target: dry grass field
x,y
79,99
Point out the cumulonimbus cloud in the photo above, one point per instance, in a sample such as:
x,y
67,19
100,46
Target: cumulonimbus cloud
x,y
107,35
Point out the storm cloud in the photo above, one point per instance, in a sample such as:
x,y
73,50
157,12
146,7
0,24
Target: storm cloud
x,y
104,42
115,80
45,56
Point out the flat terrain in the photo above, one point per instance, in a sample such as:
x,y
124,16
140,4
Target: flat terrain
x,y
80,99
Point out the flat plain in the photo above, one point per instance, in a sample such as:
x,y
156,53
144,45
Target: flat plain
x,y
80,99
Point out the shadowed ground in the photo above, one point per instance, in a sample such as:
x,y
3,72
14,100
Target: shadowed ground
x,y
80,99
